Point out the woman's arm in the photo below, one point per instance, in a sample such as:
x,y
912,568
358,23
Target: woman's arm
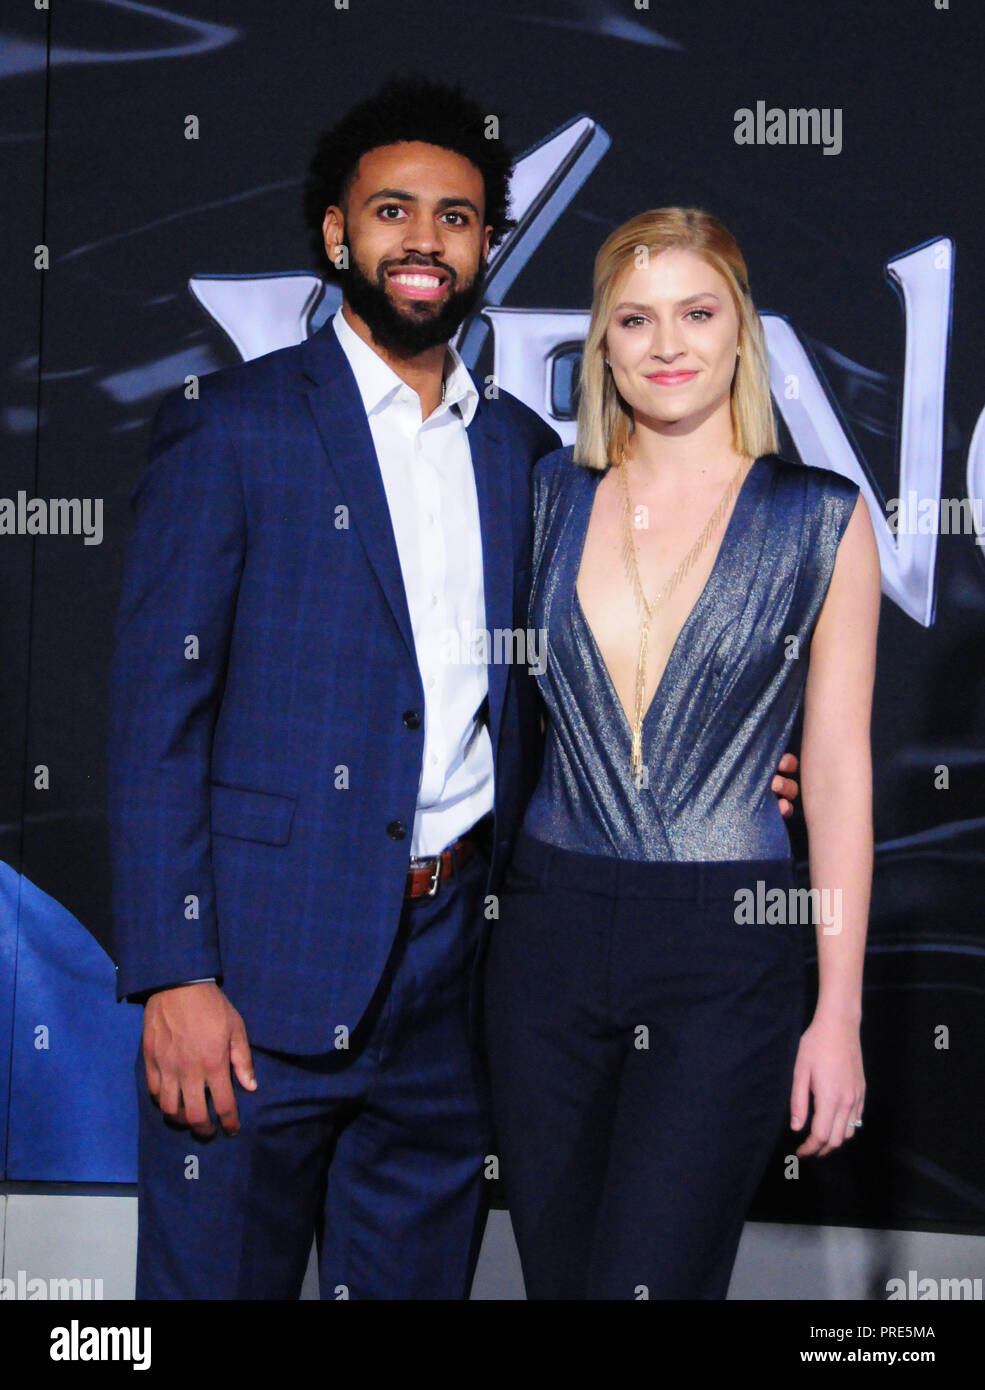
x,y
836,780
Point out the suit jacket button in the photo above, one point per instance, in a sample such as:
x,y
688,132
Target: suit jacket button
x,y
412,720
397,830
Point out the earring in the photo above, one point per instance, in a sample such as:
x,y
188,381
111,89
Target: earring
x,y
738,352
607,362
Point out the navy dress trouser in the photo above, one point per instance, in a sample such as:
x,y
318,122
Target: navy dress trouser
x,y
641,1047
377,1150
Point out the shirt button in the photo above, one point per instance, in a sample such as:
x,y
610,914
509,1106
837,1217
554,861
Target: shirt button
x,y
434,600
430,682
430,518
434,758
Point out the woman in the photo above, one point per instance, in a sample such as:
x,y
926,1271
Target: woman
x,y
644,1005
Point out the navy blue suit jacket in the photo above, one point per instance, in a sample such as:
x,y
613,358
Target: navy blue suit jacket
x,y
264,754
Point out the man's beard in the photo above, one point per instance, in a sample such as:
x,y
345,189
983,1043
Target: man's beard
x,y
407,333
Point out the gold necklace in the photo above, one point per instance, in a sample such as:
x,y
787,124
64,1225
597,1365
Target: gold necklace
x,y
648,611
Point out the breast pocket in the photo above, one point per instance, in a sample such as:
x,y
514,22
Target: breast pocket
x,y
246,814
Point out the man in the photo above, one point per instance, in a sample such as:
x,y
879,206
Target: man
x,y
308,801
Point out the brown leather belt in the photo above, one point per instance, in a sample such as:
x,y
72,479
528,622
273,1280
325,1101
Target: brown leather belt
x,y
426,875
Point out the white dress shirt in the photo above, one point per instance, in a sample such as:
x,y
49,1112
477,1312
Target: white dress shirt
x,y
426,466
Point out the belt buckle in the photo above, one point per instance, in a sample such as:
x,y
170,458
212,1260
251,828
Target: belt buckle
x,y
435,878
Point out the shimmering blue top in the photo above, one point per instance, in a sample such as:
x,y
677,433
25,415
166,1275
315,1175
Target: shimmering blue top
x,y
728,697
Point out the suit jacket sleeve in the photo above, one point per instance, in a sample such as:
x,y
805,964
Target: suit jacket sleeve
x,y
180,586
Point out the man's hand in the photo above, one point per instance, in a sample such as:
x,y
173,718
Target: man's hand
x,y
785,787
192,1034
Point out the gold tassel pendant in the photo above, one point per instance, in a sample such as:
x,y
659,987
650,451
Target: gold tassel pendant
x,y
636,754
647,611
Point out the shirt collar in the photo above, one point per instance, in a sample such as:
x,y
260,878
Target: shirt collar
x,y
378,383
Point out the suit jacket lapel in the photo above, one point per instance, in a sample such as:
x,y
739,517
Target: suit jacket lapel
x,y
344,429
341,420
492,484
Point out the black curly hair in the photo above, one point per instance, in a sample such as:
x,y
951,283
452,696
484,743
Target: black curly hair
x,y
408,108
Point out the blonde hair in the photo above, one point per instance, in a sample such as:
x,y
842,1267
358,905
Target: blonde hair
x,y
605,421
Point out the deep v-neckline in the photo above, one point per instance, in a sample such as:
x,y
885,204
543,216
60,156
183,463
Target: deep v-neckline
x,y
692,614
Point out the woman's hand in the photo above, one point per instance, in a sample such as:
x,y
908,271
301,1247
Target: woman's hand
x,y
829,1067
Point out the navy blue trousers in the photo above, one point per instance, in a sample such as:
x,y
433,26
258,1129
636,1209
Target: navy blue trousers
x,y
377,1150
641,1047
